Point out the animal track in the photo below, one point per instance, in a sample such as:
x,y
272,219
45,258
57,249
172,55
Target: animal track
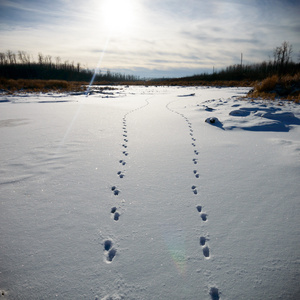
x,y
115,190
194,188
206,251
199,208
116,216
202,241
196,173
107,245
214,293
109,252
203,216
121,175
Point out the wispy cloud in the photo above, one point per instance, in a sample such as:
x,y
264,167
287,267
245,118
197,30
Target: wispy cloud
x,y
168,34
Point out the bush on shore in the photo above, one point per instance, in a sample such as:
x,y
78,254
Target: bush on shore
x,y
38,85
285,87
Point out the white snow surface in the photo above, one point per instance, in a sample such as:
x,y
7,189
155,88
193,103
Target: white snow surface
x,y
130,194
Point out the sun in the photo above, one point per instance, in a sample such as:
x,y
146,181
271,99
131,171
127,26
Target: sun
x,y
118,16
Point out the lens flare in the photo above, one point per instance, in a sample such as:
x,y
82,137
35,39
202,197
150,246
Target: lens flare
x,y
175,242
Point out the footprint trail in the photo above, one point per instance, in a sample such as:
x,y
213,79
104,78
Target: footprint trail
x,y
214,292
109,251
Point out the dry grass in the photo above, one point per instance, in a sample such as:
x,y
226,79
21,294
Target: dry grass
x,y
267,84
274,87
36,85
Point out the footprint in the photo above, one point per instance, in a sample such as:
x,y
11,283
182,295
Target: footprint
x,y
214,293
115,190
125,146
194,190
194,139
111,254
125,153
195,161
203,216
206,251
202,241
196,152
193,144
120,174
125,140
199,208
107,245
116,216
113,210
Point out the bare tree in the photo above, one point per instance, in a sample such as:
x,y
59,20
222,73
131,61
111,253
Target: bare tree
x,y
11,57
57,61
282,55
3,60
41,58
48,59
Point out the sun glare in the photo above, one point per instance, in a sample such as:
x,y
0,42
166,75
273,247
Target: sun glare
x,y
118,15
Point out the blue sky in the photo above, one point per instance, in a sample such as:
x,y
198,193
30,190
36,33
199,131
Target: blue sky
x,y
151,38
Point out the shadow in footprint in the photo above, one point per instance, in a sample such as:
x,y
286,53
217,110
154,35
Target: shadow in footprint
x,y
203,217
214,293
202,241
107,245
206,252
116,216
111,254
114,189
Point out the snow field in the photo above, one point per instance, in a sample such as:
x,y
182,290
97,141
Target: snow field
x,y
132,195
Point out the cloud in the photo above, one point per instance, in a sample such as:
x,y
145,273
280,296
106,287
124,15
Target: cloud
x,y
168,35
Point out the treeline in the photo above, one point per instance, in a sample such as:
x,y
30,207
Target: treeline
x,y
251,72
21,65
280,65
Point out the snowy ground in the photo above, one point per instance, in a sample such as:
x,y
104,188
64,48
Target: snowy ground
x,y
132,195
